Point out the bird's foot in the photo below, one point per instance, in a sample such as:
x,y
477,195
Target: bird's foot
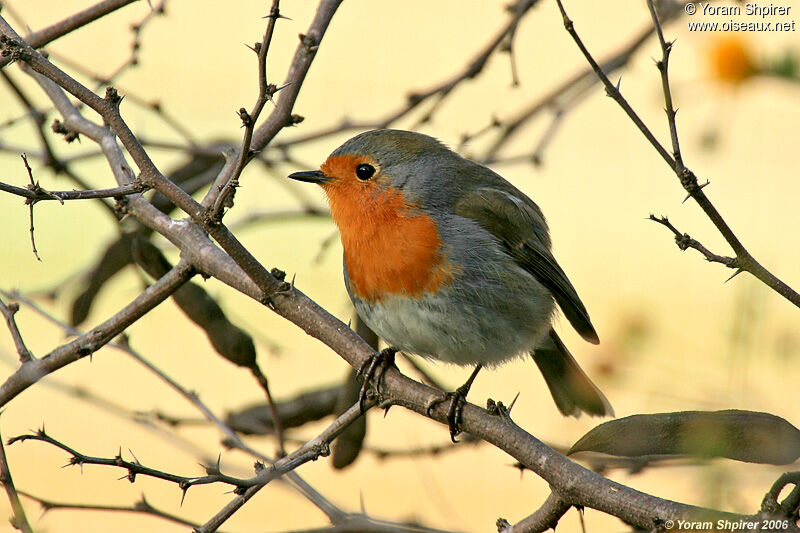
x,y
372,370
457,398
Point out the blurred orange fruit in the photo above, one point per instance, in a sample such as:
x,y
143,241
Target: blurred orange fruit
x,y
731,59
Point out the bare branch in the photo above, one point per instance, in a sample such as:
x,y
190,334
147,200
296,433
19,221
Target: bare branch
x,y
18,519
220,196
142,506
48,156
98,337
35,193
40,38
684,241
688,180
108,108
546,517
313,449
135,468
439,91
8,312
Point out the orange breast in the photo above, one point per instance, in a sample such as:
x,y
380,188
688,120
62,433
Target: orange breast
x,y
388,248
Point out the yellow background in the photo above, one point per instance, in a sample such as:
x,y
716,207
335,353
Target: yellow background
x,y
675,336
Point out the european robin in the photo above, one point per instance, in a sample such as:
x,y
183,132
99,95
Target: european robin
x,y
445,259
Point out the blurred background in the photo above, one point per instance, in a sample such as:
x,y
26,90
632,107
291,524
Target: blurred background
x,y
674,335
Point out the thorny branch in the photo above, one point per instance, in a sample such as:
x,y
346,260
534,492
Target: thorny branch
x,y
18,520
34,192
575,485
8,312
245,488
685,241
221,194
142,506
546,517
743,260
40,38
440,91
135,468
48,156
232,439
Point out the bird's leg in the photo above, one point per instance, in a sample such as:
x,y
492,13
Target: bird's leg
x,y
369,371
457,398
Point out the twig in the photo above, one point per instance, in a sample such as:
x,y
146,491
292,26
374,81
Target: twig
x,y
48,156
135,468
153,105
684,241
663,68
18,519
276,421
546,517
35,193
439,91
221,194
567,93
33,186
8,312
744,261
316,447
789,507
108,107
96,338
232,438
40,38
142,506
279,215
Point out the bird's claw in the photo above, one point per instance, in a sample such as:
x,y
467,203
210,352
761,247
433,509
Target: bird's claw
x,y
457,399
369,371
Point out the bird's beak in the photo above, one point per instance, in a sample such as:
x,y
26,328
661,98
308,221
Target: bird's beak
x,y
310,176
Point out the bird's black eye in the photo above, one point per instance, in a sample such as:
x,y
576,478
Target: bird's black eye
x,y
365,172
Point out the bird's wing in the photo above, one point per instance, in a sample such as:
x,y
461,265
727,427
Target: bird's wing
x,y
514,221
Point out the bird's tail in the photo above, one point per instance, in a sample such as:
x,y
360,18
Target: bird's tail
x,y
571,388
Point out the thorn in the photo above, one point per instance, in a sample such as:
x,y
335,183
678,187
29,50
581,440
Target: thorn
x,y
738,271
511,405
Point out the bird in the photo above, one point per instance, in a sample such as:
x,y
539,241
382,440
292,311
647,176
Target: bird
x,y
447,260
